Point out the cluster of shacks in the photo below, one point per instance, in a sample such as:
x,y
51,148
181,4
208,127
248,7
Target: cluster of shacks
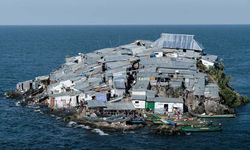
x,y
153,76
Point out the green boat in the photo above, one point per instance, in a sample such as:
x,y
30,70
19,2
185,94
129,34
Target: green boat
x,y
201,129
217,116
153,117
157,122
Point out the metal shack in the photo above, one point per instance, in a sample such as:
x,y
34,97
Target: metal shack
x,y
165,104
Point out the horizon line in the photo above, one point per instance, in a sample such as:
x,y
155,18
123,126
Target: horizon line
x,y
120,24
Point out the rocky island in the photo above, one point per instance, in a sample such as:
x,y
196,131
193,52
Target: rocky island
x,y
162,84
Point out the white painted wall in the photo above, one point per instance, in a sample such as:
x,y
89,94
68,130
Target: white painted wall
x,y
118,92
158,54
160,105
207,63
174,55
139,104
138,92
86,97
63,101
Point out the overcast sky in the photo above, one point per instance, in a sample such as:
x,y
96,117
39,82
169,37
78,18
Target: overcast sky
x,y
106,12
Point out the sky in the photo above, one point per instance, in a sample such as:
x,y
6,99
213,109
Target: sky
x,y
123,12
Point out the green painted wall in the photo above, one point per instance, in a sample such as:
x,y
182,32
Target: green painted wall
x,y
150,105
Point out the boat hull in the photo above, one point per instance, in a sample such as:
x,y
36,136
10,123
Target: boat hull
x,y
201,129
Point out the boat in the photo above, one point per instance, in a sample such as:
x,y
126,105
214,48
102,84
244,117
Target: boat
x,y
217,116
169,122
136,121
153,117
212,116
201,129
157,122
111,119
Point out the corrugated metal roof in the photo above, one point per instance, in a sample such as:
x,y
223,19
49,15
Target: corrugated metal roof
x,y
167,99
199,86
119,82
114,71
120,106
130,46
115,58
163,62
138,97
71,93
177,41
211,58
105,50
82,86
175,84
189,54
96,104
212,90
150,94
118,64
141,85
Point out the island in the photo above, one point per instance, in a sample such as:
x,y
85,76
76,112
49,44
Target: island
x,y
166,85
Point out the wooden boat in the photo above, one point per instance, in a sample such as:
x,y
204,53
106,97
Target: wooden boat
x,y
217,116
136,121
152,118
157,122
169,122
201,129
118,118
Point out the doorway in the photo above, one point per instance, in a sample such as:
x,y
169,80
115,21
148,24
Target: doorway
x,y
166,107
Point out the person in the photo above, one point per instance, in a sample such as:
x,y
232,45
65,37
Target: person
x,y
69,104
81,106
178,114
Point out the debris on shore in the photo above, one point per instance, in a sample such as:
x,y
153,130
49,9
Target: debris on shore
x,y
140,84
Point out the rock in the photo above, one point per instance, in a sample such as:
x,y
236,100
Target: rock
x,y
196,106
208,106
214,107
13,95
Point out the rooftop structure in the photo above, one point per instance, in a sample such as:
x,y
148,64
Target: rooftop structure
x,y
177,41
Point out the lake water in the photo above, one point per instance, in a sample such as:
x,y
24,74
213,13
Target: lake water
x,y
30,51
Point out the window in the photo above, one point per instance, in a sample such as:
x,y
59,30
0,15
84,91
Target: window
x,y
166,107
137,102
184,50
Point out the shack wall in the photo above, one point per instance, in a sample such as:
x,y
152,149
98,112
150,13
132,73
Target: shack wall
x,y
150,105
139,104
65,101
207,63
160,106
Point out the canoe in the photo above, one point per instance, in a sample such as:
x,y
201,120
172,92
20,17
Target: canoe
x,y
111,119
217,116
136,121
153,117
157,122
201,129
169,122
